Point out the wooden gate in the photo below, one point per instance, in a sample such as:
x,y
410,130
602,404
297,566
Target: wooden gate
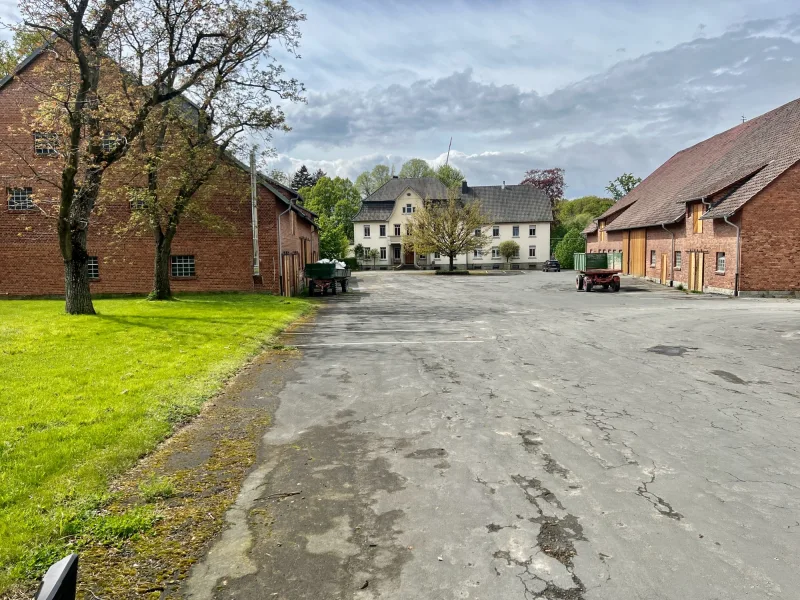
x,y
638,249
696,271
626,251
664,270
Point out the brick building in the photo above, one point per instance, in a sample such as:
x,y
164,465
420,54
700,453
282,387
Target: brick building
x,y
204,258
722,216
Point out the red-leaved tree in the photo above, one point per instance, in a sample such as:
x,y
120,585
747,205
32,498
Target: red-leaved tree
x,y
550,181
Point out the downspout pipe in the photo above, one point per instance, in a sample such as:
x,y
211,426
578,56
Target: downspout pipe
x,y
280,248
738,252
672,256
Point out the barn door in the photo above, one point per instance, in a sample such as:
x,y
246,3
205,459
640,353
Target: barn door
x,y
638,246
663,269
626,250
696,271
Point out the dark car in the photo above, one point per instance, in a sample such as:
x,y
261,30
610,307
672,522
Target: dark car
x,y
551,265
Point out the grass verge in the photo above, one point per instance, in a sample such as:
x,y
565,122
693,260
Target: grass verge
x,y
82,398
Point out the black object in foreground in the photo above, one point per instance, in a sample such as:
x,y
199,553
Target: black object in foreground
x,y
60,581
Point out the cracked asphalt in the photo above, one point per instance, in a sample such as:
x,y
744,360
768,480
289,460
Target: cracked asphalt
x,y
505,437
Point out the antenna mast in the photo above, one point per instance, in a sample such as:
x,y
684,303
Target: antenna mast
x,y
447,160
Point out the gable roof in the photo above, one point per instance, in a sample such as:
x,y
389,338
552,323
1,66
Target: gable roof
x,y
427,187
512,204
509,204
742,161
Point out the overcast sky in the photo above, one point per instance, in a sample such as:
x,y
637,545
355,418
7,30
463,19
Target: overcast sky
x,y
598,88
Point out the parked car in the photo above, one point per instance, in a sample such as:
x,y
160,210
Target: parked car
x,y
551,265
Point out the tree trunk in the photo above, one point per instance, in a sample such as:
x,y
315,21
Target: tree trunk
x,y
76,284
161,288
451,262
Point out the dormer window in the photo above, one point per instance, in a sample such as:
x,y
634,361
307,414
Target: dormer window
x,y
408,209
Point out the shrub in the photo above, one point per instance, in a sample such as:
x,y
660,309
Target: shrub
x,y
565,249
351,262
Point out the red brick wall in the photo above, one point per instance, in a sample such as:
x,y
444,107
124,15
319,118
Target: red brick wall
x,y
613,241
771,236
30,261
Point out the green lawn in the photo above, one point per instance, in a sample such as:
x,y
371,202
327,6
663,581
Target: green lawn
x,y
81,398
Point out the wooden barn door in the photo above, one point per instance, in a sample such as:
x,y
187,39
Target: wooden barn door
x,y
696,271
664,269
638,245
626,251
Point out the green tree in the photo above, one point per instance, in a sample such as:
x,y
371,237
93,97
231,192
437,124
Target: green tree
x,y
23,43
337,198
358,252
333,242
508,250
578,213
373,255
447,227
302,179
369,181
449,176
416,167
623,184
280,176
565,249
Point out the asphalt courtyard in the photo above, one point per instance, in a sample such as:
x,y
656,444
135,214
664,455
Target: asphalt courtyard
x,y
504,437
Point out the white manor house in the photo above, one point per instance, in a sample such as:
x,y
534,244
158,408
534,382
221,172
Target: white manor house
x,y
520,213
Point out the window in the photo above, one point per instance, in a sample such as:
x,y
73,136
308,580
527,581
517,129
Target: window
x,y
437,255
366,252
408,209
383,230
677,259
602,236
515,231
495,231
720,262
477,253
516,253
136,199
697,212
366,231
383,253
397,252
478,232
652,258
397,229
20,199
183,266
109,142
531,230
45,143
531,251
93,267
495,252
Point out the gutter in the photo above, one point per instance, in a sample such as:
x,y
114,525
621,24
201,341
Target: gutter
x,y
738,252
672,256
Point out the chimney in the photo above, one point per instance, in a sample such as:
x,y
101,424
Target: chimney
x,y
504,185
464,187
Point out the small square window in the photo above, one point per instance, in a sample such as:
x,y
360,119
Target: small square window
x,y
383,230
396,229
495,231
478,232
652,258
45,143
720,262
531,251
183,266
366,231
20,199
109,142
515,231
436,255
532,230
93,268
677,259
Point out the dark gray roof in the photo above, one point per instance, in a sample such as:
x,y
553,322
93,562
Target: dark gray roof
x,y
514,204
427,187
22,65
375,211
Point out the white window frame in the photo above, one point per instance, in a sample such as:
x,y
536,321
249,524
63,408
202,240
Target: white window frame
x,y
93,268
531,251
477,232
383,252
496,231
678,258
382,230
437,255
516,253
531,230
397,228
45,143
367,232
720,257
495,252
182,266
515,231
20,198
477,253
652,258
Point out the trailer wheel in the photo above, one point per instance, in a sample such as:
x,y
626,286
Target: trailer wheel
x,y
344,285
589,285
615,286
579,283
605,286
333,287
312,287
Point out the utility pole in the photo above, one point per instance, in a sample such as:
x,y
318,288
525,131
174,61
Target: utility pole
x,y
447,160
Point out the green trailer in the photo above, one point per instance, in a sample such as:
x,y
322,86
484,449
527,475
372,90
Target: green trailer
x,y
597,268
324,277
